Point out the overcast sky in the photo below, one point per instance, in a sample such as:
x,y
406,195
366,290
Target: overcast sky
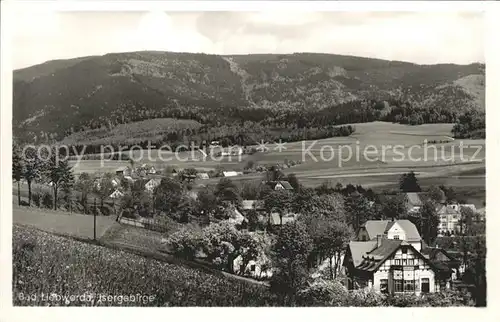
x,y
420,37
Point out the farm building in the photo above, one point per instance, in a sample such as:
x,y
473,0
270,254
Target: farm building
x,y
202,175
252,204
152,184
276,220
260,268
236,217
387,256
124,171
229,173
129,179
115,182
449,217
116,194
279,185
413,202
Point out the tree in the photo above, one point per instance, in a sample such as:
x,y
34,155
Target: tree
x,y
294,181
168,197
17,171
290,252
466,221
330,238
207,202
394,207
84,184
33,168
429,222
227,192
436,194
250,189
104,187
185,243
409,183
253,220
279,201
358,210
223,243
274,173
60,175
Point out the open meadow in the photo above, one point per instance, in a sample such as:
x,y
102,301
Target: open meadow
x,y
375,155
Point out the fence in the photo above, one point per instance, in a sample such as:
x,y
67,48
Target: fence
x,y
142,222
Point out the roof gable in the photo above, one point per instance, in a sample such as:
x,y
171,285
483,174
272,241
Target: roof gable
x,y
414,199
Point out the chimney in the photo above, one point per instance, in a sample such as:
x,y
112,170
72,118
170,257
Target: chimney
x,y
379,240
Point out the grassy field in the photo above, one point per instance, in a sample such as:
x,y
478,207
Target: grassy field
x,y
62,222
44,264
375,155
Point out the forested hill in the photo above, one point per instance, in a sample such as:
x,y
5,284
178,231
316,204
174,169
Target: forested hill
x,y
58,98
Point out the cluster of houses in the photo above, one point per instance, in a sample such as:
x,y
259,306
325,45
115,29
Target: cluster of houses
x,y
449,213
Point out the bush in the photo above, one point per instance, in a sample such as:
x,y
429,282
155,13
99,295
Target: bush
x,y
185,243
448,298
323,293
366,297
405,300
47,200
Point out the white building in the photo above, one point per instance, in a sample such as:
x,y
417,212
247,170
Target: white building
x,y
152,184
116,194
387,256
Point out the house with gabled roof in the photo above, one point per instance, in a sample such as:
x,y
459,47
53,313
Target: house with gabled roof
x,y
401,229
279,185
388,256
413,202
152,184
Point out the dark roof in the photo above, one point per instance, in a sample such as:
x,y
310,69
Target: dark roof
x,y
359,248
373,259
367,256
381,227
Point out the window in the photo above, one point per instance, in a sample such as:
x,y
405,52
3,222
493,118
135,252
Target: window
x,y
403,262
396,237
404,250
398,285
425,285
409,286
384,286
252,268
411,262
397,262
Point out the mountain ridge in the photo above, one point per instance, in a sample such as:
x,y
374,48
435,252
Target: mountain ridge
x,y
60,97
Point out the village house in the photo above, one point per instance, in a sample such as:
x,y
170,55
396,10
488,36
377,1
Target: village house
x,y
124,171
259,268
387,255
279,185
276,220
202,176
450,217
229,173
413,202
152,184
116,194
